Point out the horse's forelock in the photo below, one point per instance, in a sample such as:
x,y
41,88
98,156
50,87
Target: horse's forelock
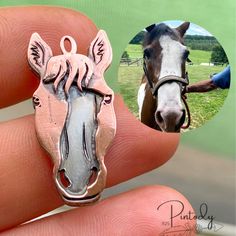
x,y
158,31
56,67
71,66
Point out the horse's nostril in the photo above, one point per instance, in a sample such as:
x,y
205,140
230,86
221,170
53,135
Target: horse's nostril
x,y
182,119
93,175
170,120
64,179
159,117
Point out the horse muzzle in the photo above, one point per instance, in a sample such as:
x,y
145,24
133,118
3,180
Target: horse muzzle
x,y
81,174
72,135
170,120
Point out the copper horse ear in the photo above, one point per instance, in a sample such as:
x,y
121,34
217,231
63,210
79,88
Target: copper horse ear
x,y
74,115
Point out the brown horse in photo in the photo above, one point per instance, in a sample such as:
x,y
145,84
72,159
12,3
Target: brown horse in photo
x,y
164,79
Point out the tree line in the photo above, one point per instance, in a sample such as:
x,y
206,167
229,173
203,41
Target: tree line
x,y
199,42
194,42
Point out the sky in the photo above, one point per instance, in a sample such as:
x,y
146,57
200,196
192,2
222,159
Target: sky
x,y
193,29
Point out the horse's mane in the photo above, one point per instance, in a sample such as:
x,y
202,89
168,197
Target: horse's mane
x,y
158,31
77,68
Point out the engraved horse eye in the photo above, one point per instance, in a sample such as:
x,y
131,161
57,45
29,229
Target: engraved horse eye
x,y
36,102
107,99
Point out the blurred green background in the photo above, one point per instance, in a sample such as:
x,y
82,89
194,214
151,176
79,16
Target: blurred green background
x,y
212,147
122,20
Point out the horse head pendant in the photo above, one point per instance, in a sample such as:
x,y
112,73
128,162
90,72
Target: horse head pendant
x,y
74,115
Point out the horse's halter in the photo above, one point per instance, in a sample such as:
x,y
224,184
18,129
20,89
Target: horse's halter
x,y
183,82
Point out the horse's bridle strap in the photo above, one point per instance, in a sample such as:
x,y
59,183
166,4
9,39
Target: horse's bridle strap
x,y
184,82
167,79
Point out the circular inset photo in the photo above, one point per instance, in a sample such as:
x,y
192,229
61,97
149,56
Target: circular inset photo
x,y
174,76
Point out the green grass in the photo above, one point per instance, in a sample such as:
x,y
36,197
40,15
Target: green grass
x,y
134,51
203,106
129,80
199,56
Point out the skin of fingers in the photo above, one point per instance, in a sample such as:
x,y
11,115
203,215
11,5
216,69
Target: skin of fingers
x,y
26,184
27,187
137,212
17,82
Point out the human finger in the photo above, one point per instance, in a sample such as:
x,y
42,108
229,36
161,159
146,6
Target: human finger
x,y
27,188
17,82
152,210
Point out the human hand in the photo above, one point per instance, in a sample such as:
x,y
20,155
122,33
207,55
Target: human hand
x,y
27,187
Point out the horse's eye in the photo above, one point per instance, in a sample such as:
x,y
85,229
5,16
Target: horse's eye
x,y
186,54
147,53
